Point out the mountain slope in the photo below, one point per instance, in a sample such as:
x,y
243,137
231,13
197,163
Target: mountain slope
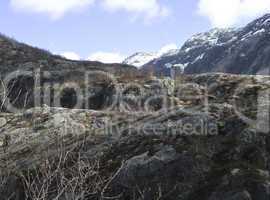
x,y
15,55
238,51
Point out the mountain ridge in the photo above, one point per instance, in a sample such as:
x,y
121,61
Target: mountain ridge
x,y
16,55
237,51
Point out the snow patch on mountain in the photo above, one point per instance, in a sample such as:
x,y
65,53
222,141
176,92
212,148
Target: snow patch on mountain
x,y
200,57
259,31
210,38
170,53
141,58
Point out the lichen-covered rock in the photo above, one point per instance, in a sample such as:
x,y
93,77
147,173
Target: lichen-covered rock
x,y
38,131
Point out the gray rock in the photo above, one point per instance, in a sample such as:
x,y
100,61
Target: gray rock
x,y
232,196
143,166
262,191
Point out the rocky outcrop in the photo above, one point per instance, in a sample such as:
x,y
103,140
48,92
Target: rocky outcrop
x,y
188,151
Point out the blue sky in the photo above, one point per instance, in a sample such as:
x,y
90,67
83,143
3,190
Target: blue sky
x,y
118,28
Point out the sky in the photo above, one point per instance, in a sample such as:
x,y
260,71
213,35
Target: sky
x,y
111,30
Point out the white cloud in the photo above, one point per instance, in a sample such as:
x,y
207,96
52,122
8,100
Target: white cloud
x,y
167,48
107,57
225,13
148,8
54,8
70,55
58,8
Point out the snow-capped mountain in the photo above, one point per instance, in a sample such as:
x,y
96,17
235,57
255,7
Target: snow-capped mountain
x,y
139,59
239,51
